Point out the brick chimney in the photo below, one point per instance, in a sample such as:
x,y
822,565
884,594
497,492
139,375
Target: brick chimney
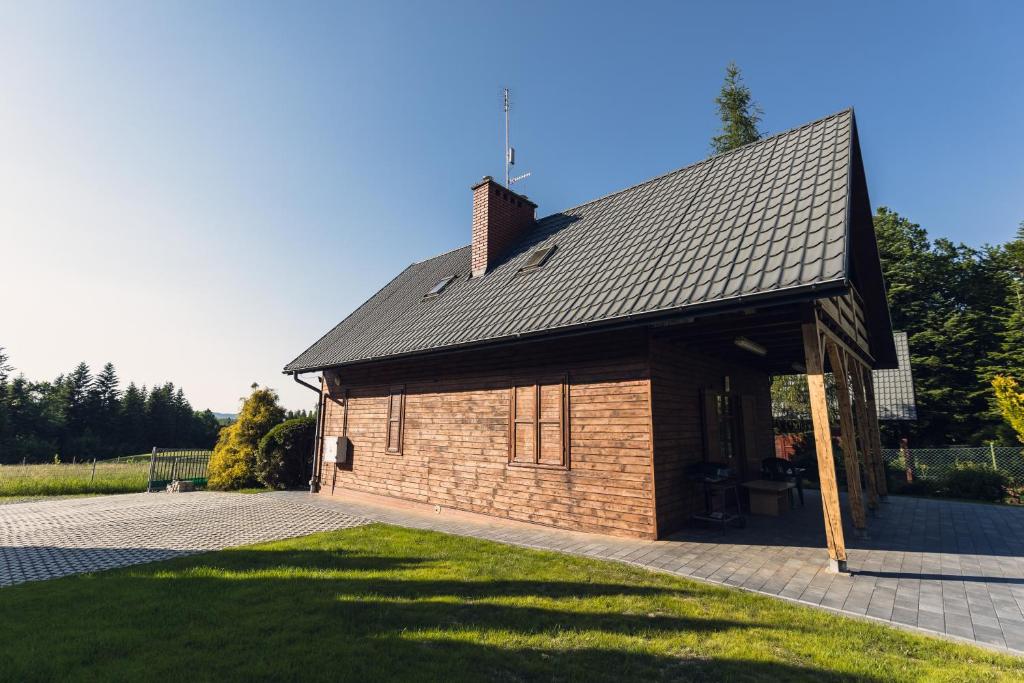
x,y
500,218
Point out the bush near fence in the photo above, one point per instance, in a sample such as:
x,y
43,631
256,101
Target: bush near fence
x,y
937,464
991,473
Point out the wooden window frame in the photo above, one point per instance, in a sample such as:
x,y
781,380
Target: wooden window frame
x,y
563,422
390,448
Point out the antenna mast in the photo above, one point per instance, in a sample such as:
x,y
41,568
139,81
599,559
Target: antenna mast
x,y
510,152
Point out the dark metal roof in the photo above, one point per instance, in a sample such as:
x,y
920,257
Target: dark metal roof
x,y
765,219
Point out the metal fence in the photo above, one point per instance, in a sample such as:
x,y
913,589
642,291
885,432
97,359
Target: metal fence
x,y
174,464
934,463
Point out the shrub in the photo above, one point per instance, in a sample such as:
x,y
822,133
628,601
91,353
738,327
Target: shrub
x,y
285,452
918,487
232,465
976,482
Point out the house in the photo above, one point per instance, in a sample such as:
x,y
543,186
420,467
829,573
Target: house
x,y
567,370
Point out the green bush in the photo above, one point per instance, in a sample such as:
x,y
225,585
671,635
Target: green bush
x,y
233,463
976,482
284,456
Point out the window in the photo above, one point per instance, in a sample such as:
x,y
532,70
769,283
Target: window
x,y
439,287
538,433
537,258
396,419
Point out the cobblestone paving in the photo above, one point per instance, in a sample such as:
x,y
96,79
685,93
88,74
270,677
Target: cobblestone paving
x,y
47,539
944,567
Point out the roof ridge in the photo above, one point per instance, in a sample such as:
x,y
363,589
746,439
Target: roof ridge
x,y
705,160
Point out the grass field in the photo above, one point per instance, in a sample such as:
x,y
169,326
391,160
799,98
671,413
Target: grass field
x,y
383,603
68,479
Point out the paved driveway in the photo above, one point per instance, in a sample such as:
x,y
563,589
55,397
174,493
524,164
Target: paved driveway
x,y
47,539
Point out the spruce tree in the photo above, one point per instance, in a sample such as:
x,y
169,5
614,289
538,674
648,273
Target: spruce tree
x,y
131,428
738,112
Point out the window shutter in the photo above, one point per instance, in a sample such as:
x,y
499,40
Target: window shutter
x,y
550,427
524,423
538,424
396,415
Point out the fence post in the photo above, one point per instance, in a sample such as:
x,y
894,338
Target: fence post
x,y
152,465
992,450
93,477
908,460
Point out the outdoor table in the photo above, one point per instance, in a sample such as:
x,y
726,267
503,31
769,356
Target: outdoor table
x,y
768,497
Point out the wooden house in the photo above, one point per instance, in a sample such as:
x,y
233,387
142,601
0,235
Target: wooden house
x,y
567,370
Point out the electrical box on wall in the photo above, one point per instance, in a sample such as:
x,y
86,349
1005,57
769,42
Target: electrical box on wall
x,y
335,449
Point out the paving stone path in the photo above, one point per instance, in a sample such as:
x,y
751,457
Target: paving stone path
x,y
48,539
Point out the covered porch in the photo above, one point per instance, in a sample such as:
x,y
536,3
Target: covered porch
x,y
828,335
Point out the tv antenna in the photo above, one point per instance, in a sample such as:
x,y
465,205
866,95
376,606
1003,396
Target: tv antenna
x,y
510,152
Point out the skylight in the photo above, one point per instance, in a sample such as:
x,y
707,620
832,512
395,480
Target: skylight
x,y
439,287
538,257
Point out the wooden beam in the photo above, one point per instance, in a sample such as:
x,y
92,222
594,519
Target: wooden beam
x,y
857,370
874,435
823,448
854,493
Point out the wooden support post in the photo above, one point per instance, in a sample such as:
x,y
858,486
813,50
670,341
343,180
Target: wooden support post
x,y
875,435
854,492
823,448
866,447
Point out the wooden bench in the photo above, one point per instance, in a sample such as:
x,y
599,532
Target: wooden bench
x,y
768,497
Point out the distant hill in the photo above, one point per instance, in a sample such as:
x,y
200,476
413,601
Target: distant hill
x,y
226,417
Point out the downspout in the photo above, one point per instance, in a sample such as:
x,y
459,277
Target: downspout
x,y
314,479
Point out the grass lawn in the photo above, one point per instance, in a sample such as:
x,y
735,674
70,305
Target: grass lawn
x,y
386,603
67,479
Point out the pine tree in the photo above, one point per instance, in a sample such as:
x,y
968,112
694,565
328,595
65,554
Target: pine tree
x,y
79,410
738,113
106,388
131,429
5,367
5,432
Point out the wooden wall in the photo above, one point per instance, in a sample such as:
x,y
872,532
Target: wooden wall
x,y
679,377
456,434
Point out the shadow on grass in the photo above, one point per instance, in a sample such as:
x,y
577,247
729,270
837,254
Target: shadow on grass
x,y
267,614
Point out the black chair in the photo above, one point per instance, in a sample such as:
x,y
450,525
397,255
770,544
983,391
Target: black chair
x,y
777,469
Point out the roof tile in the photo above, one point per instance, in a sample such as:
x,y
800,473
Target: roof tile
x,y
769,215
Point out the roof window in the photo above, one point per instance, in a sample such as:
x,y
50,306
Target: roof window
x,y
538,257
439,287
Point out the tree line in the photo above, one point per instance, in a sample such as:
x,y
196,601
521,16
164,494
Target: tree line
x,y
80,415
962,309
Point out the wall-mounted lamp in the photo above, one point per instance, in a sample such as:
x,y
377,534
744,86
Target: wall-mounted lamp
x,y
751,346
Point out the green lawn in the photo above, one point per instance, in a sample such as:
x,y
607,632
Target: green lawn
x,y
385,603
69,479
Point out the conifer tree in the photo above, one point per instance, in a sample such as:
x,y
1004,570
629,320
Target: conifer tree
x,y
131,428
233,463
738,112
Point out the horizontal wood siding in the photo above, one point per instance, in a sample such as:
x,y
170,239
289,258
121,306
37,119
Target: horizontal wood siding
x,y
678,377
455,442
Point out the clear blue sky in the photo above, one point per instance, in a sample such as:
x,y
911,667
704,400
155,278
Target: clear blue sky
x,y
197,191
